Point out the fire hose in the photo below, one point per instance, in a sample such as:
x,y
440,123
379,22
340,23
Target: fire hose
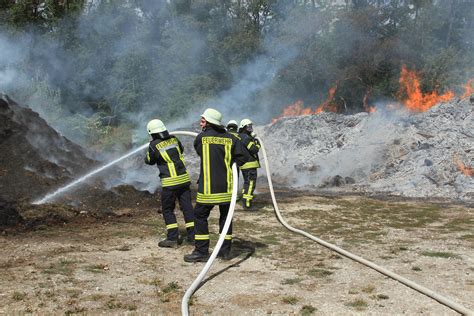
x,y
423,290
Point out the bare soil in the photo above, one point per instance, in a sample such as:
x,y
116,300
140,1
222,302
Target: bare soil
x,y
113,265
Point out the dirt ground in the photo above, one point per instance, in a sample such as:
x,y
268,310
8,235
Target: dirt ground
x,y
113,265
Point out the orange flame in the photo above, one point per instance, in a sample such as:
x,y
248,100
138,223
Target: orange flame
x,y
467,171
469,89
297,108
415,100
329,105
365,103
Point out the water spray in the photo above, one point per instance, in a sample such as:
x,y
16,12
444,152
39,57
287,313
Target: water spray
x,y
69,186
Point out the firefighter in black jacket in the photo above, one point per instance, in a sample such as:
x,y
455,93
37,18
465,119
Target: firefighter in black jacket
x,y
249,169
218,151
166,152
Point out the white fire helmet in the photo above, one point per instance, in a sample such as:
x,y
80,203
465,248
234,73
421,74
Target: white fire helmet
x,y
155,126
232,123
212,116
245,122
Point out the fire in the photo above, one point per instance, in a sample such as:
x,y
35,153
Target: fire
x,y
469,89
415,100
365,102
297,108
329,105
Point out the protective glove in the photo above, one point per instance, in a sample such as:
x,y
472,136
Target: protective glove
x,y
253,134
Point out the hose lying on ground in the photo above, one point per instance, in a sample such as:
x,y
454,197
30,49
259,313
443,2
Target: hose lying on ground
x,y
441,299
220,241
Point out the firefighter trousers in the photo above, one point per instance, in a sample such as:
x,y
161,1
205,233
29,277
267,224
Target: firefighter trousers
x,y
168,202
250,179
201,213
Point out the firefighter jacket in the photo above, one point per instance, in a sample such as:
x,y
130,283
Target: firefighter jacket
x,y
218,151
252,146
167,154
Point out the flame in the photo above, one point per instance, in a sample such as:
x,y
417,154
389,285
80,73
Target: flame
x,y
469,89
365,102
415,100
467,171
329,105
297,108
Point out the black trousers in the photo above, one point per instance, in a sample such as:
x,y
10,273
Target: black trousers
x,y
201,212
168,202
250,180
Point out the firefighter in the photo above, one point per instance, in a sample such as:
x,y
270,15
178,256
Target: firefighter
x,y
232,128
218,151
166,151
249,169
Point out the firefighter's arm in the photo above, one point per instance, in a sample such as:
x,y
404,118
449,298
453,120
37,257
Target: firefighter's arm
x,y
150,158
255,140
241,155
198,145
252,147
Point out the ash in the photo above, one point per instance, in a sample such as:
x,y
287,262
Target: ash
x,y
419,155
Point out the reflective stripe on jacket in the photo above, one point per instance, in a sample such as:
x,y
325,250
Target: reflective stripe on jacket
x,y
167,154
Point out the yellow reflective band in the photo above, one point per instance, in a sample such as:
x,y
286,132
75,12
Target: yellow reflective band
x,y
171,181
247,197
228,237
250,145
190,224
171,226
227,158
250,165
181,155
213,198
170,162
206,169
148,156
201,237
249,192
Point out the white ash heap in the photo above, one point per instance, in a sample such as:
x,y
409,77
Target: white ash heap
x,y
422,155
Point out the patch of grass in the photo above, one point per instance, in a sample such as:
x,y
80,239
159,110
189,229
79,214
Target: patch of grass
x,y
469,237
291,281
353,291
359,304
75,310
440,254
307,310
63,267
171,287
18,296
319,273
96,268
95,297
123,234
368,289
416,268
113,304
291,300
270,239
73,293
